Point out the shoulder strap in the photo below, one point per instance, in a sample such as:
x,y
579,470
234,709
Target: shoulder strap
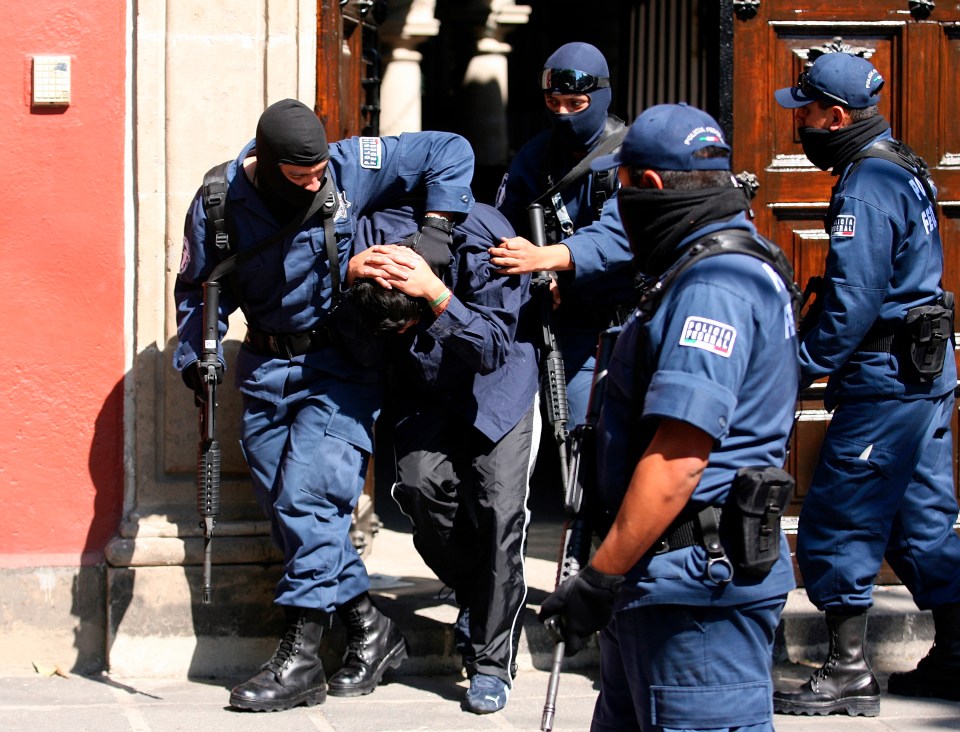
x,y
899,153
215,205
610,142
324,198
721,242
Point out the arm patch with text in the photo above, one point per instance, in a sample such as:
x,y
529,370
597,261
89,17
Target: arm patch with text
x,y
709,335
371,153
845,226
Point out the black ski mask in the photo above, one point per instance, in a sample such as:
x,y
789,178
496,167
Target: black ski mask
x,y
288,132
581,129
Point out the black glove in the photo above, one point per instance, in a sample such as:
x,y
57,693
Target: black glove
x,y
584,604
433,244
192,378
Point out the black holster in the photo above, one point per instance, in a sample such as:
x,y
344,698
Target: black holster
x,y
750,524
929,330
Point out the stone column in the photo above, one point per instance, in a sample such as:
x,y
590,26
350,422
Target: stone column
x,y
406,27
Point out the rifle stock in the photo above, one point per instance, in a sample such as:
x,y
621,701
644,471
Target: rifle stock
x,y
208,449
577,531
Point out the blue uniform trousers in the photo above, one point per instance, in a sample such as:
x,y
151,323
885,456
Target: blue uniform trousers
x,y
666,668
308,462
883,486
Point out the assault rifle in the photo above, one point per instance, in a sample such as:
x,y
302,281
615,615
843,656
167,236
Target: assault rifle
x,y
208,450
553,378
577,531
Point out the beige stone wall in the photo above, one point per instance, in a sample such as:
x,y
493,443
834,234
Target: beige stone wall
x,y
202,74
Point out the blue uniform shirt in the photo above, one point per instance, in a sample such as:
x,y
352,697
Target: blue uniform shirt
x,y
598,246
885,258
719,353
287,288
478,355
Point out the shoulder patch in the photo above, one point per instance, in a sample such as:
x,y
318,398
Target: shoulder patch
x,y
845,225
185,255
371,153
709,335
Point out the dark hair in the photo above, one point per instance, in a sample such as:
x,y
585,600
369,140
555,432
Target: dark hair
x,y
380,310
691,180
856,115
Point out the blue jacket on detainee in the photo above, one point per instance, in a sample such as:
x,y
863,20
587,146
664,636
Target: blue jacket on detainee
x,y
287,288
478,356
719,353
885,258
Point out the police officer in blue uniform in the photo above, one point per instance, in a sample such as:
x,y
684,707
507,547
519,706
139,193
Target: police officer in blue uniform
x,y
309,402
591,255
883,485
699,404
466,427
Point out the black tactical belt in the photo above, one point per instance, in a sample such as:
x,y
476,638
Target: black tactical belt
x,y
286,345
681,534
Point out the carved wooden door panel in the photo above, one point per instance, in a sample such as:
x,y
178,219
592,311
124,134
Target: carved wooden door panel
x,y
916,46
348,66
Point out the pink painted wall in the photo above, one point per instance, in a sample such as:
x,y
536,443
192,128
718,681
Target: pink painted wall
x,y
62,275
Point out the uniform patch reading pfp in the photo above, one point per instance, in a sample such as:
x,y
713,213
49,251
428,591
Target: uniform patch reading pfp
x,y
710,335
371,153
844,225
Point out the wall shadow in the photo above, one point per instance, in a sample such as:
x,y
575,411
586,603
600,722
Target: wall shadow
x,y
89,584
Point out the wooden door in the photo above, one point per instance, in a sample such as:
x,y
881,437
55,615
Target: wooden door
x,y
920,61
348,66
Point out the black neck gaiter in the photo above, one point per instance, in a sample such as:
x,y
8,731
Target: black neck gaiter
x,y
656,220
827,149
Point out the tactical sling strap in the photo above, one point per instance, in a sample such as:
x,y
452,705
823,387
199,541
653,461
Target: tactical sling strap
x,y
214,193
735,241
215,204
899,153
613,136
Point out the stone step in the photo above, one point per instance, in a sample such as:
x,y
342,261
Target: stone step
x,y
898,633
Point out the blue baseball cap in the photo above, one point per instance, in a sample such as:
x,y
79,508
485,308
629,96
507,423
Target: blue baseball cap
x,y
840,78
665,137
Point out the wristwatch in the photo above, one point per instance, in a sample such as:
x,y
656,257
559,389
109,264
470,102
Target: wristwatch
x,y
438,222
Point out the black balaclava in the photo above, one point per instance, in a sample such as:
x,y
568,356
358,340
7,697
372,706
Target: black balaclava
x,y
288,132
827,149
581,129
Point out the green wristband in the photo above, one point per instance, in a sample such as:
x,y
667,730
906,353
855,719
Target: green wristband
x,y
439,299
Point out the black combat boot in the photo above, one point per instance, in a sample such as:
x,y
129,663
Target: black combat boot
x,y
937,674
844,683
294,675
374,644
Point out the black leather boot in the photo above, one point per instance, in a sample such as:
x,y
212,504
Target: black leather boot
x,y
844,683
374,644
938,673
294,675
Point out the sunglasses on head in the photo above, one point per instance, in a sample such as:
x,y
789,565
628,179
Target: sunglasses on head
x,y
571,81
812,90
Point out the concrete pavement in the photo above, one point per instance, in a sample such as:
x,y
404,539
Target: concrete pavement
x,y
425,693
403,702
